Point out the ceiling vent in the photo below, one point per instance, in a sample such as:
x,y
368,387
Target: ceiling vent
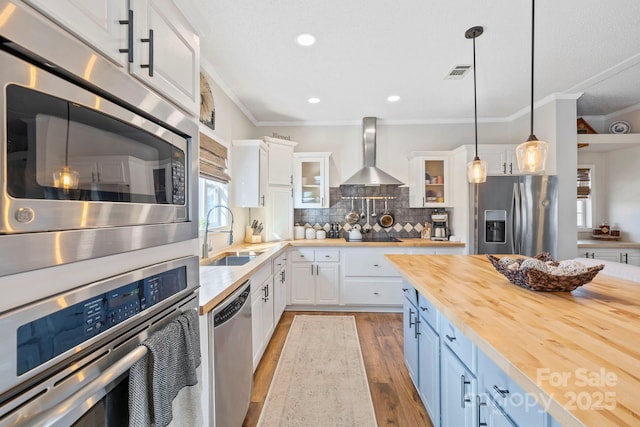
x,y
458,72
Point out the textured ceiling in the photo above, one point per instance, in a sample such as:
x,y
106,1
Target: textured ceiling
x,y
367,50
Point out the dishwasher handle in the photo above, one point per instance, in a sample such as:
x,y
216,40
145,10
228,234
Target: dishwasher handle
x,y
228,308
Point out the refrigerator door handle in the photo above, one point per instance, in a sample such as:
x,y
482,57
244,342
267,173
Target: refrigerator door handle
x,y
514,220
517,232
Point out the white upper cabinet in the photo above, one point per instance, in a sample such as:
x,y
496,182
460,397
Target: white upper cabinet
x,y
249,173
150,39
97,22
500,158
311,180
166,52
280,161
429,180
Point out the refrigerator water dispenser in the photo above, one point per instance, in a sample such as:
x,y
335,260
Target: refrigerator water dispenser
x,y
495,226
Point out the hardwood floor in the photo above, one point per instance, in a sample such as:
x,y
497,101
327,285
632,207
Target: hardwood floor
x,y
395,399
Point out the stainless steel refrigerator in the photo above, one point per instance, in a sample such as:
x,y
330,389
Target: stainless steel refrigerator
x,y
517,215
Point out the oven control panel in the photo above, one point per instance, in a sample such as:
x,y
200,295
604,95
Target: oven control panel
x,y
41,340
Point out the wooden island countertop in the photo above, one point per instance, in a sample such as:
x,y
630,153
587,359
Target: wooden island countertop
x,y
574,350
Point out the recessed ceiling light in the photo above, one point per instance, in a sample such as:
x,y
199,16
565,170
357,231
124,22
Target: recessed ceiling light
x,y
313,100
393,98
305,39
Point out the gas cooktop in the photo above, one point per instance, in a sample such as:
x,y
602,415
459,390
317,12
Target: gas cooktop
x,y
374,239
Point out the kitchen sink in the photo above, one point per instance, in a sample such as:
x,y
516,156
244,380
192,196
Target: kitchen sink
x,y
233,258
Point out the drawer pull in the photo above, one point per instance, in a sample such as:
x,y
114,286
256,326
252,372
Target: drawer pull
x,y
501,392
376,293
450,338
376,265
327,256
405,289
424,309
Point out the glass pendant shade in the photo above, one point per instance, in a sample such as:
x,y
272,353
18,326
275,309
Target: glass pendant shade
x,y
532,155
66,178
477,171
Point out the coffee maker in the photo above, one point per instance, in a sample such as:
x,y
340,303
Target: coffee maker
x,y
440,225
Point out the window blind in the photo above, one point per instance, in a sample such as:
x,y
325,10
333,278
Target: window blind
x,y
584,183
213,160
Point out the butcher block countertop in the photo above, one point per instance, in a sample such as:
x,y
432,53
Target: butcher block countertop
x,y
591,336
218,282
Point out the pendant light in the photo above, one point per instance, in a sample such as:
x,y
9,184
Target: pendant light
x,y
66,178
476,169
532,154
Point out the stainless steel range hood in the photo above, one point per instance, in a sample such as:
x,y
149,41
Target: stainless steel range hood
x,y
370,175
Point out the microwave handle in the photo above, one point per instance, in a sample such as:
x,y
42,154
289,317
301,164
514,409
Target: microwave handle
x,y
58,412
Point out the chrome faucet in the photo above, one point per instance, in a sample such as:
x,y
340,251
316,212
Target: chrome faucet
x,y
205,247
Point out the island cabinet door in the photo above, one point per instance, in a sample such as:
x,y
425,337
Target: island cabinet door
x,y
410,317
490,414
429,369
458,392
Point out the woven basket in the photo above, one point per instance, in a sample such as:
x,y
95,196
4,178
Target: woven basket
x,y
537,280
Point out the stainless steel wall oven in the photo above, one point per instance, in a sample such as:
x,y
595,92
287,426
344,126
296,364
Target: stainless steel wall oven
x,y
65,359
92,163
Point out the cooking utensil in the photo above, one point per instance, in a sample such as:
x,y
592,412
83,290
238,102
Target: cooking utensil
x,y
374,213
367,226
352,216
387,219
355,234
362,214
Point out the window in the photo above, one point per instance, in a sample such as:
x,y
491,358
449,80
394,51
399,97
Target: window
x,y
585,192
213,183
212,193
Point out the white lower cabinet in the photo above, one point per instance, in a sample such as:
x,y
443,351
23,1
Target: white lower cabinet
x,y
279,286
369,279
621,255
262,312
315,276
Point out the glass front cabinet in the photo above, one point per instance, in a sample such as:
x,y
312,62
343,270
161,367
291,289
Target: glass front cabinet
x,y
311,180
429,180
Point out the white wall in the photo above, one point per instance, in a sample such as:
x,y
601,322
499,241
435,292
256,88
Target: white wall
x,y
624,192
230,123
394,143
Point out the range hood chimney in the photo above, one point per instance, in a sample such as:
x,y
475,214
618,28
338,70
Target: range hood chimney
x,y
370,175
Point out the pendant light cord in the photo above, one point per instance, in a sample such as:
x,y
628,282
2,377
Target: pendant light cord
x,y
475,102
533,10
66,148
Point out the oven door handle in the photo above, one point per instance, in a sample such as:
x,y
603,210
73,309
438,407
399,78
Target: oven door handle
x,y
85,396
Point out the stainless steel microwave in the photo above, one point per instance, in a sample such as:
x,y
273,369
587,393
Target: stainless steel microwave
x,y
92,162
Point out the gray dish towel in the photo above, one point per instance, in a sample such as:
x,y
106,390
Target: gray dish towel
x,y
169,366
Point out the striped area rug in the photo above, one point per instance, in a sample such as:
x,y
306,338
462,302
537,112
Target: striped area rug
x,y
320,379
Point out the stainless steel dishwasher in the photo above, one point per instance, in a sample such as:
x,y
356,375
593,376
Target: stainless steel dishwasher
x,y
232,358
